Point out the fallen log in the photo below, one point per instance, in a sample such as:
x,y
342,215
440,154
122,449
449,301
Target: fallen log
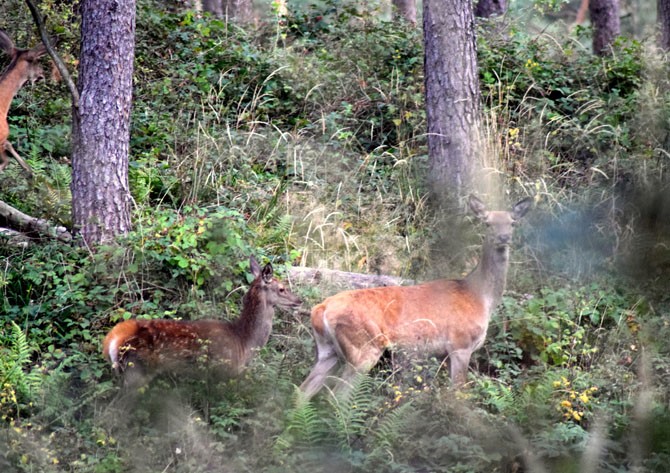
x,y
342,280
9,237
25,223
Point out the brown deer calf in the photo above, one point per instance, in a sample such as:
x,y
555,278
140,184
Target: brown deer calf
x,y
141,349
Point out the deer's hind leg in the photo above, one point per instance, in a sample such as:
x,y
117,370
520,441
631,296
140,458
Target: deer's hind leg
x,y
326,361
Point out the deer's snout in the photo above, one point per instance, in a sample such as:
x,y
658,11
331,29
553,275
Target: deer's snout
x,y
505,239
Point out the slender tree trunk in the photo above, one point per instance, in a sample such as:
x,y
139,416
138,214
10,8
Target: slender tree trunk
x,y
215,7
405,10
605,21
452,94
240,10
101,124
487,8
664,22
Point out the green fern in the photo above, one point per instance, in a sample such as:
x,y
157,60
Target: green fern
x,y
351,412
304,426
391,427
14,364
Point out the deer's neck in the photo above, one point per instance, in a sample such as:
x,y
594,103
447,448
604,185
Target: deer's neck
x,y
488,279
10,83
254,325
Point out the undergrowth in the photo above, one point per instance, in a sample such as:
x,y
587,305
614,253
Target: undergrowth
x,y
304,144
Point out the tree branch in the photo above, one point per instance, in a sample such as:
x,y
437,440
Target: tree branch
x,y
25,222
13,238
54,55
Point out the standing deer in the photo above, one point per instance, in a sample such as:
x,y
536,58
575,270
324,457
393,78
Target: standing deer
x,y
23,66
141,349
446,317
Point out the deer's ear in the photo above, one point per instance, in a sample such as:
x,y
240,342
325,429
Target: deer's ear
x,y
477,207
6,43
254,266
267,273
521,207
38,51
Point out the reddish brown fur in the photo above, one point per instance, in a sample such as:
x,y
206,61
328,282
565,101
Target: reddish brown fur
x,y
148,347
22,67
445,317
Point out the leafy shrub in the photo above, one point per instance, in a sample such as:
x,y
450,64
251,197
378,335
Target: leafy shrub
x,y
578,104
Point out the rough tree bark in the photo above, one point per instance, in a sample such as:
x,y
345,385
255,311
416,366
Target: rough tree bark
x,y
405,10
452,94
663,7
605,21
101,124
487,8
239,10
215,7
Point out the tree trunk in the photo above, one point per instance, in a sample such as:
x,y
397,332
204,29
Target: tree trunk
x,y
405,10
101,124
664,21
605,21
452,95
240,10
487,8
215,7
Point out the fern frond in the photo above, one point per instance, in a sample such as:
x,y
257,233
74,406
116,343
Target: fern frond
x,y
304,427
351,411
21,350
392,425
16,359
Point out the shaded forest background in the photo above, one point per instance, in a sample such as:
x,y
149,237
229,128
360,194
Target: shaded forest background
x,y
303,143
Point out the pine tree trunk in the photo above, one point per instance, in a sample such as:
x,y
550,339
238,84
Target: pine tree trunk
x,y
487,8
664,23
452,94
101,124
240,10
405,10
215,7
606,27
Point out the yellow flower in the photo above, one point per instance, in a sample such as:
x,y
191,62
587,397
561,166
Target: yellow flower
x,y
584,398
566,403
577,415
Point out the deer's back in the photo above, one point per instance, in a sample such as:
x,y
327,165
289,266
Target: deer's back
x,y
407,315
165,344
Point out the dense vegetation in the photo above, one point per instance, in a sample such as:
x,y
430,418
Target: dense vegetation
x,y
304,144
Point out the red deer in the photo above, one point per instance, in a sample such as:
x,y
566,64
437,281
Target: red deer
x,y
446,317
23,66
141,349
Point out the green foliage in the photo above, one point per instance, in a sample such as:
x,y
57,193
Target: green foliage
x,y
19,381
560,326
305,142
582,104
